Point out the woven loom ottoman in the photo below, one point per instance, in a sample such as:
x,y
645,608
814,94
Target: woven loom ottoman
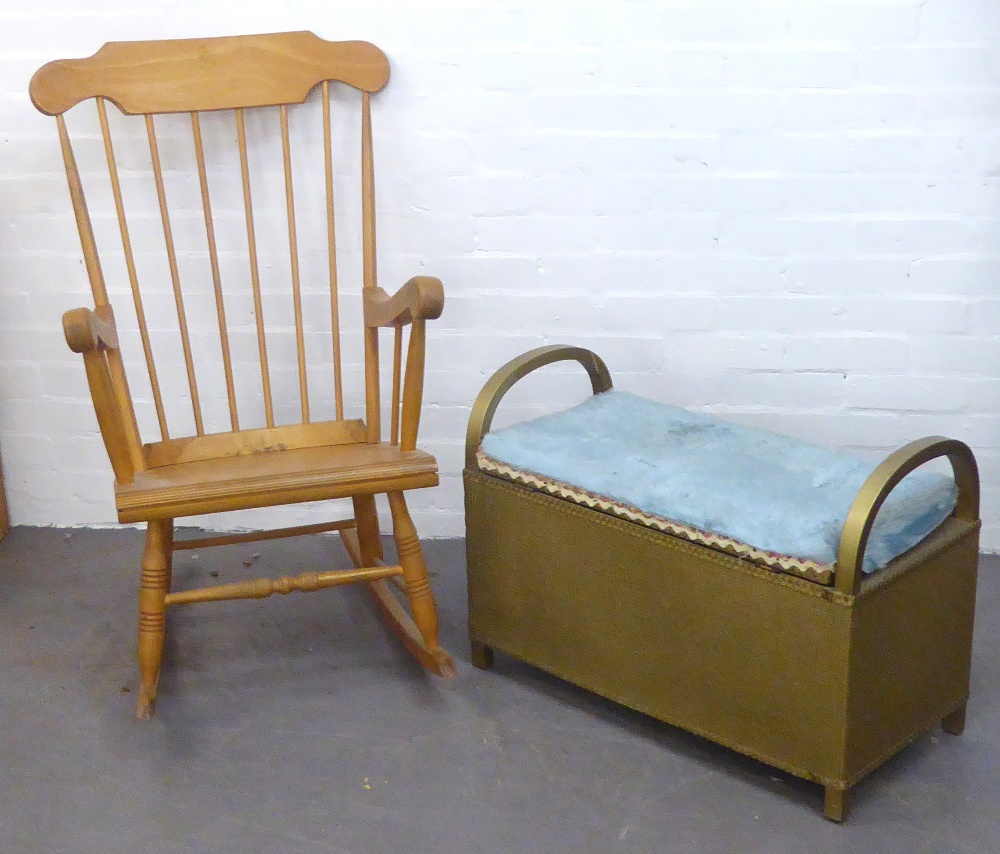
x,y
824,666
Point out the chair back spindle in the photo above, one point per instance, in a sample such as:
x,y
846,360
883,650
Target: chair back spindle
x,y
175,279
213,257
331,238
258,307
129,256
293,253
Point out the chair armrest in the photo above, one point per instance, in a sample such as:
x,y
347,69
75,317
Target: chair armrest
x,y
421,298
516,369
94,335
88,330
874,491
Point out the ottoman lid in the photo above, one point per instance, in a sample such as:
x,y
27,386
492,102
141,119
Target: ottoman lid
x,y
776,496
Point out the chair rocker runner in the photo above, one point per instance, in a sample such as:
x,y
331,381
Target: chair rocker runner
x,y
181,102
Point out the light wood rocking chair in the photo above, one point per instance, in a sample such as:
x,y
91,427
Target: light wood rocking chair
x,y
228,89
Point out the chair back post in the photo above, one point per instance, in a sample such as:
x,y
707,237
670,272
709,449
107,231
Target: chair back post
x,y
105,369
83,223
373,412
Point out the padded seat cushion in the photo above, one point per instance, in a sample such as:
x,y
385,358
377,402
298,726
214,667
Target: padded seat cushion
x,y
771,498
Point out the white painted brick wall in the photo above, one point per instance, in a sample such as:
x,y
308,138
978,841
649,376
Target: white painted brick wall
x,y
784,212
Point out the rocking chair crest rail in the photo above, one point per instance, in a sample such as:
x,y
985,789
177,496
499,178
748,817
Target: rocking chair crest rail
x,y
260,390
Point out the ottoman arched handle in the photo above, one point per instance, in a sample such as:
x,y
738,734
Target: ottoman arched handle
x,y
516,369
875,490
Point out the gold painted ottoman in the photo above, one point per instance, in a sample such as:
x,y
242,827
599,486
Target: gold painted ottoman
x,y
823,680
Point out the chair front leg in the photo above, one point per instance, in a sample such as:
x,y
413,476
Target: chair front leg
x,y
411,558
369,539
156,571
169,551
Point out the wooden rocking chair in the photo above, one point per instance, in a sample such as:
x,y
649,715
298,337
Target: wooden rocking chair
x,y
210,277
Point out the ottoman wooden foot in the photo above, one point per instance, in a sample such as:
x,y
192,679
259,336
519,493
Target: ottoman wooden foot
x,y
482,655
835,803
954,722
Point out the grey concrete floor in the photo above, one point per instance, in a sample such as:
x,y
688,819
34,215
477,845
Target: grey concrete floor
x,y
299,724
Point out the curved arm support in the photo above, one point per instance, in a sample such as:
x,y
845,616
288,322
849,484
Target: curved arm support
x,y
421,298
94,335
516,369
875,490
88,330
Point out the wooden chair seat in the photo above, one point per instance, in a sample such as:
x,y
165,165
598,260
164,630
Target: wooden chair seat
x,y
274,477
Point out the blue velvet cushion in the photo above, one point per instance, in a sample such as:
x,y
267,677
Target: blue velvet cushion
x,y
764,489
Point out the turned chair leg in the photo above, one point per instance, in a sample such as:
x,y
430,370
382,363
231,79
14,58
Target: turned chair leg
x,y
366,519
411,558
418,587
482,655
168,548
835,803
156,571
954,722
